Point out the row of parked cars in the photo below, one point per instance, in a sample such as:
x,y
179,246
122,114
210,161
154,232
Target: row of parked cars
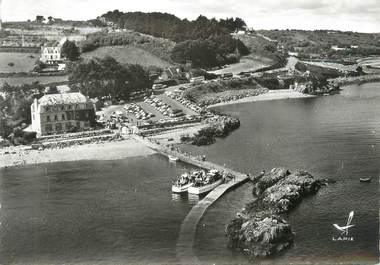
x,y
162,107
138,111
183,101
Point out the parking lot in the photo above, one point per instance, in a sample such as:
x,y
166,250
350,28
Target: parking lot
x,y
165,107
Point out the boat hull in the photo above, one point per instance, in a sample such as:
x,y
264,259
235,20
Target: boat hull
x,y
181,189
365,180
206,188
173,158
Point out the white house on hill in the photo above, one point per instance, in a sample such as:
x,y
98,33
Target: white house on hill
x,y
50,54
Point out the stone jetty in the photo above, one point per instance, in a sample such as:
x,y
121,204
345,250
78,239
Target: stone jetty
x,y
188,229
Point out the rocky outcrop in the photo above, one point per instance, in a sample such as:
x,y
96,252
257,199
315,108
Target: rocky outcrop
x,y
218,126
260,229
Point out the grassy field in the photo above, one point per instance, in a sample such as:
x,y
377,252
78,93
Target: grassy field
x,y
128,54
28,80
23,62
247,63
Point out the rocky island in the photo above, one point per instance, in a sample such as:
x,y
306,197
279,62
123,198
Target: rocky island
x,y
260,229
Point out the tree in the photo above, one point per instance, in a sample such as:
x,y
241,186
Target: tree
x,y
106,77
40,19
50,18
38,65
70,50
15,105
52,90
359,69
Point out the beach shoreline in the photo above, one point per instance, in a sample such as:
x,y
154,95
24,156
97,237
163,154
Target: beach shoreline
x,y
270,95
114,150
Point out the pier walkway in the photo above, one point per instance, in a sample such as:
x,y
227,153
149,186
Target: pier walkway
x,y
188,229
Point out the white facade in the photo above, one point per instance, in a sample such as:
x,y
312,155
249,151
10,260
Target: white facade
x,y
50,54
59,113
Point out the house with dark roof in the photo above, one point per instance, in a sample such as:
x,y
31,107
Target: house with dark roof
x,y
60,113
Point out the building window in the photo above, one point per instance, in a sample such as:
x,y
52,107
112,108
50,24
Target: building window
x,y
78,124
87,115
62,107
69,106
48,128
55,117
58,127
63,116
48,118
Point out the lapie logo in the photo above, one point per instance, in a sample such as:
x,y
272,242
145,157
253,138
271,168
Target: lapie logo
x,y
344,229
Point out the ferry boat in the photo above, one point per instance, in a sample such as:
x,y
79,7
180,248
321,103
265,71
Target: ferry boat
x,y
182,184
212,180
173,158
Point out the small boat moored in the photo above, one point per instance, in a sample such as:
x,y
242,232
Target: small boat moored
x,y
173,158
365,179
206,183
206,188
182,184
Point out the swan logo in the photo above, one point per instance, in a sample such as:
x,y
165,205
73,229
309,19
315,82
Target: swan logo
x,y
344,229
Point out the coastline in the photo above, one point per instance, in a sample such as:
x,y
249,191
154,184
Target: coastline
x,y
270,95
120,149
370,78
102,151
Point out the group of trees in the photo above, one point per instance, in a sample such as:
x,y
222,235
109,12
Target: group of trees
x,y
15,104
107,78
70,50
206,42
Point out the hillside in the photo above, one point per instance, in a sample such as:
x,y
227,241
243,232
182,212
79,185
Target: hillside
x,y
324,37
128,55
159,47
205,42
263,52
321,41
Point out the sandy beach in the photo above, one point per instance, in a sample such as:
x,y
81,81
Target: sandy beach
x,y
103,151
271,95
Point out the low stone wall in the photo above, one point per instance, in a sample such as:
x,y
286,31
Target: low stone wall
x,y
66,136
80,141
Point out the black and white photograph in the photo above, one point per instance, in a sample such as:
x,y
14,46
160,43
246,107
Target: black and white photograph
x,y
189,132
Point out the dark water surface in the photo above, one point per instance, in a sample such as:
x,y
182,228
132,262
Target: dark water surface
x,y
92,211
122,212
336,137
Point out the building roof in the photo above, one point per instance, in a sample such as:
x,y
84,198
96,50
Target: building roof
x,y
51,49
64,98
